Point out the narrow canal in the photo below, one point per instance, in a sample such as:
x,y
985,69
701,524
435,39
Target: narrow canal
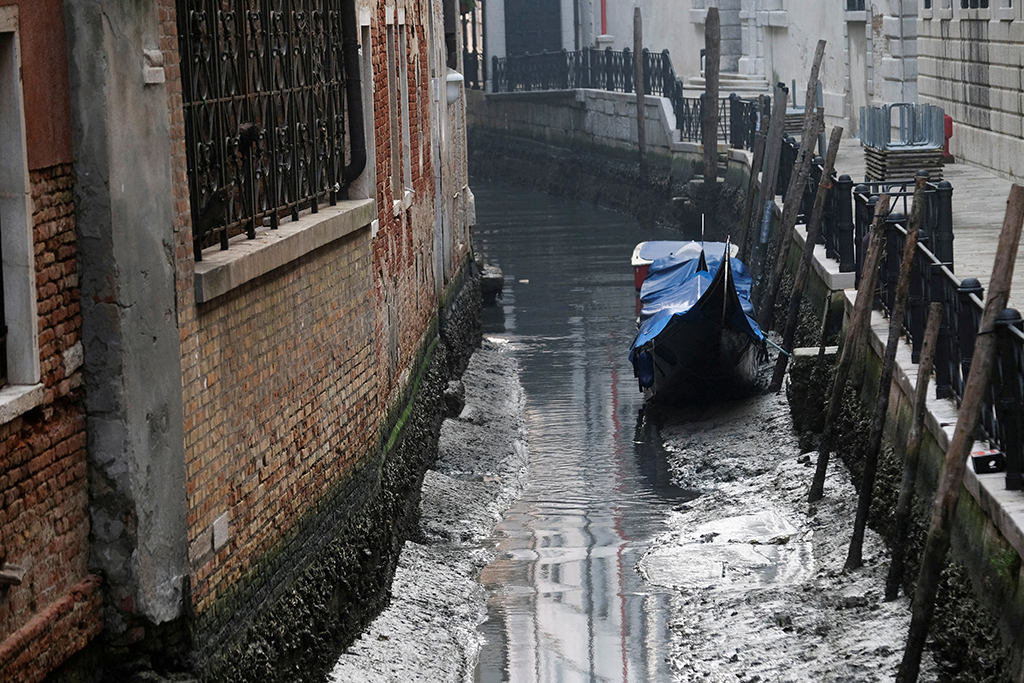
x,y
565,601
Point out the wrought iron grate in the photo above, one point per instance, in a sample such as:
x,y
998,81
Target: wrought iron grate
x,y
264,103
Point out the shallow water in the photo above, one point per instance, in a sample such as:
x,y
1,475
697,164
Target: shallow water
x,y
565,601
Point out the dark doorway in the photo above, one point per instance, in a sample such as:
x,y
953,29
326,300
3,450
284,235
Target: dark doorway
x,y
532,26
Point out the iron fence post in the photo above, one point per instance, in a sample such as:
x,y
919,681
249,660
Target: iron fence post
x,y
943,237
866,210
627,70
609,78
843,234
668,76
943,346
734,119
645,65
967,328
1009,394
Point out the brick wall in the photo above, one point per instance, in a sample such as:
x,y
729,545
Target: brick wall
x,y
288,380
280,407
44,523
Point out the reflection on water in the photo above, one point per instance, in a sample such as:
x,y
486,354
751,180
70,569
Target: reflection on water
x,y
566,603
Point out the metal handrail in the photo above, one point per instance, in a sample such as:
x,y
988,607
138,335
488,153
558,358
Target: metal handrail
x,y
613,70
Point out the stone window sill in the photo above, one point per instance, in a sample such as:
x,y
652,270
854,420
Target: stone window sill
x,y
980,14
18,399
944,13
775,17
1004,13
222,271
861,16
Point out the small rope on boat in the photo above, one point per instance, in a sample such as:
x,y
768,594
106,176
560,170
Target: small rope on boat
x,y
777,347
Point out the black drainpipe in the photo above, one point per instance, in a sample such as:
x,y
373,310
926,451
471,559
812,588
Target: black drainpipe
x,y
353,93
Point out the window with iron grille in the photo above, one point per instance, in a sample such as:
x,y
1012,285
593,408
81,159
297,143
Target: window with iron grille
x,y
264,101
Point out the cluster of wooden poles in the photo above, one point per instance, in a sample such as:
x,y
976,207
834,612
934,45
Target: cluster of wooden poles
x,y
767,150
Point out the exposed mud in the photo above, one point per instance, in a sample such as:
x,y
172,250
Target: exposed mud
x,y
428,633
774,603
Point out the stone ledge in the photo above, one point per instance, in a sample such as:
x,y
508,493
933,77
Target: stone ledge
x,y
1004,508
221,271
17,399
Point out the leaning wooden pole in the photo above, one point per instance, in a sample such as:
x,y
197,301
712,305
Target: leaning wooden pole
x,y
809,133
638,79
755,167
937,545
790,210
813,229
712,52
762,218
854,334
912,458
855,555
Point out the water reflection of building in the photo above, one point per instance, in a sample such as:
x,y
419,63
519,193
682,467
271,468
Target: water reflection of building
x,y
566,603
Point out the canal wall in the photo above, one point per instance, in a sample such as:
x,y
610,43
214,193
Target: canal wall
x,y
976,630
986,541
583,143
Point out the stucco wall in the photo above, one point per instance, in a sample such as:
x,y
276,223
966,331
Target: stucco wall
x,y
124,202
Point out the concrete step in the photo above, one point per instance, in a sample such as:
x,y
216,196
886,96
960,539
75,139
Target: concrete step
x,y
741,84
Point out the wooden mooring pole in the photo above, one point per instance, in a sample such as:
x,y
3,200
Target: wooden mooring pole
x,y
638,80
911,457
762,219
813,229
712,52
854,338
937,545
755,167
854,558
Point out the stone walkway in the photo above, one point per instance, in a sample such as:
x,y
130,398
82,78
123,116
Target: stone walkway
x,y
979,205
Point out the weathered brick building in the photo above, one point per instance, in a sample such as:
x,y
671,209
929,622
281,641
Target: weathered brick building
x,y
270,233
50,604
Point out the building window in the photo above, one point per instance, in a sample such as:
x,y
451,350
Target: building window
x,y
858,5
405,113
395,114
973,4
19,322
264,103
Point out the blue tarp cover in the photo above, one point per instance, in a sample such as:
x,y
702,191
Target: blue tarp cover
x,y
673,286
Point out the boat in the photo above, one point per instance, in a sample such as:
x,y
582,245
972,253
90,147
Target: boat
x,y
696,334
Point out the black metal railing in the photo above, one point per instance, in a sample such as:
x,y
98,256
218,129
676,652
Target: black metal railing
x,y
933,279
264,103
613,70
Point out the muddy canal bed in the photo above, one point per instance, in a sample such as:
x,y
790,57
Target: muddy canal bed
x,y
761,594
570,534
